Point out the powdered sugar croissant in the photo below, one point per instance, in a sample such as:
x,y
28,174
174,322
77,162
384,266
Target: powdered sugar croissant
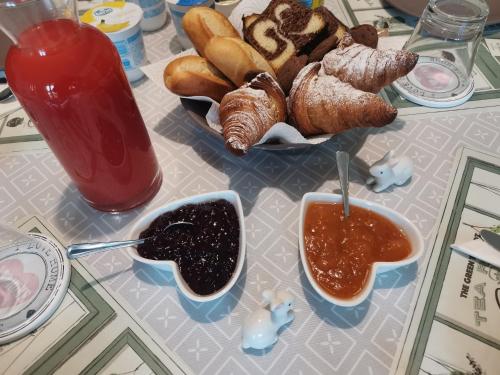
x,y
365,68
247,113
322,104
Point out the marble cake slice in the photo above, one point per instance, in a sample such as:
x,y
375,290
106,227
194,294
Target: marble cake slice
x,y
248,20
328,39
283,30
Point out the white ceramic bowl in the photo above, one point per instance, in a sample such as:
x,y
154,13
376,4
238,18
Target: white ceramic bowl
x,y
168,265
414,236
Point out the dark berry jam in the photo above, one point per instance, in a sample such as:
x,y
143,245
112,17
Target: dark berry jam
x,y
205,252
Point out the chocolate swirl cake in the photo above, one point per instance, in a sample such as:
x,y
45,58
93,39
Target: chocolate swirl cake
x,y
283,30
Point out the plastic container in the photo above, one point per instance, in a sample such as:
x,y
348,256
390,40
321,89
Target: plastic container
x,y
121,22
155,13
178,8
313,4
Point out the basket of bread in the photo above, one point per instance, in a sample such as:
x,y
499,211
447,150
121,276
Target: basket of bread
x,y
284,75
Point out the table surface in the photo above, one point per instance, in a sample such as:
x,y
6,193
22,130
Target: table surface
x,y
323,338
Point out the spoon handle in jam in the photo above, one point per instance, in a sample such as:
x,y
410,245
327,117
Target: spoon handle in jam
x,y
82,249
343,167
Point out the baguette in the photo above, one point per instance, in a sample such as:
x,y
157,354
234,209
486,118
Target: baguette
x,y
202,24
195,76
238,60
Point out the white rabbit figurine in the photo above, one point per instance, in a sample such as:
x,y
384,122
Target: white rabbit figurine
x,y
390,170
260,328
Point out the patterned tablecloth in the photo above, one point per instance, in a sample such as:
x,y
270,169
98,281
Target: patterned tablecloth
x,y
323,338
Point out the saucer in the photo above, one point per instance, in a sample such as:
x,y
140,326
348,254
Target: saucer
x,y
34,278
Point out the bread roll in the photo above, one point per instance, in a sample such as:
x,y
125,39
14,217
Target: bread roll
x,y
238,60
203,23
194,75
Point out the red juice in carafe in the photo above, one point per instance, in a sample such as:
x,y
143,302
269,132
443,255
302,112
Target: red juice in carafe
x,y
70,81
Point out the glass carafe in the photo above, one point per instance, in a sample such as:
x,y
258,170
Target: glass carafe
x,y
69,78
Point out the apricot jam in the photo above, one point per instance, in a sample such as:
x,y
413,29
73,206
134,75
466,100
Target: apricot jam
x,y
340,252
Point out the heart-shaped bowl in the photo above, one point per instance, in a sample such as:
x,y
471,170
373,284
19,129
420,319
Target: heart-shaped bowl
x,y
414,236
169,265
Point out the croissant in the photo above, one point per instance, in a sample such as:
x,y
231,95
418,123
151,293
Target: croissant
x,y
320,104
365,68
247,113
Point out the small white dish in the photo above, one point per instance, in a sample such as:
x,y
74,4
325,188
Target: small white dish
x,y
168,265
414,236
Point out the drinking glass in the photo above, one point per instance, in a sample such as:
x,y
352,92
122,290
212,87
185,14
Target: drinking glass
x,y
446,38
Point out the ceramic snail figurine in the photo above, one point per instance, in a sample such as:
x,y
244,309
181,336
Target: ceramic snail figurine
x,y
390,170
260,328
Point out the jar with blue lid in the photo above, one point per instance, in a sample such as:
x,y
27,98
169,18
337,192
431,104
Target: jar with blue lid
x,y
154,13
178,8
120,21
313,4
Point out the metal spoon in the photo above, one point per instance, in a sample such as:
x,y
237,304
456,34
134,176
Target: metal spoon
x,y
82,249
343,167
